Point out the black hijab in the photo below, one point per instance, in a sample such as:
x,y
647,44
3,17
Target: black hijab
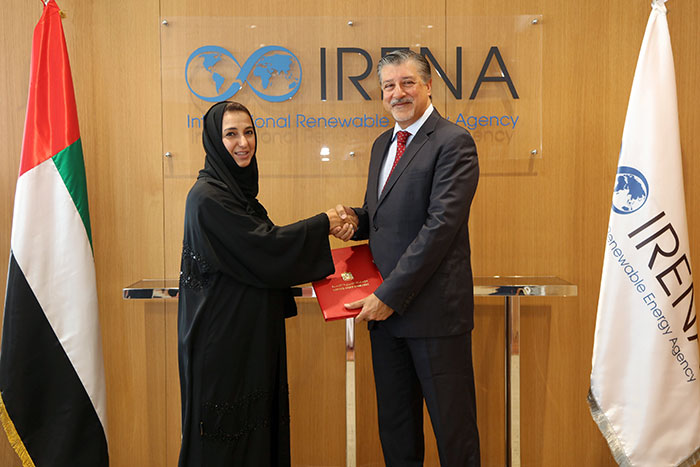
x,y
242,182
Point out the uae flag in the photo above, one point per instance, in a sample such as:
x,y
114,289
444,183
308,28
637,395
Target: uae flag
x,y
645,393
52,390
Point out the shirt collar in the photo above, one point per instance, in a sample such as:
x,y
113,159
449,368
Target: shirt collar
x,y
415,126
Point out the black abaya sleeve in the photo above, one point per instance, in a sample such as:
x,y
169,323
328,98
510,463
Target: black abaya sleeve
x,y
251,249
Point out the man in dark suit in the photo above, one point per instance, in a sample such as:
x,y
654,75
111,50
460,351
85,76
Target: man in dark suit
x,y
415,215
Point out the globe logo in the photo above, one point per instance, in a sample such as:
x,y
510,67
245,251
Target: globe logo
x,y
213,74
631,190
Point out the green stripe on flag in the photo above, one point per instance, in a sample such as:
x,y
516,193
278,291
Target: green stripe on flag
x,y
70,165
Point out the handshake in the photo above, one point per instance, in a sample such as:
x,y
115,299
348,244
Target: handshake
x,y
343,222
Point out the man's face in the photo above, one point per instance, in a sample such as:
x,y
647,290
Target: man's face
x,y
406,96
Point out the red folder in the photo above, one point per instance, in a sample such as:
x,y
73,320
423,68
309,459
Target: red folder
x,y
355,277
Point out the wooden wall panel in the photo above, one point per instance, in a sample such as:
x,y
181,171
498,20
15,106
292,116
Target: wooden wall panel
x,y
546,216
16,43
115,56
682,18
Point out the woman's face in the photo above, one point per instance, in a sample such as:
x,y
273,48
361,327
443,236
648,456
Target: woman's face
x,y
238,136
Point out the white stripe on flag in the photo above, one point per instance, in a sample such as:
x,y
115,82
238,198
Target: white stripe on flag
x,y
52,249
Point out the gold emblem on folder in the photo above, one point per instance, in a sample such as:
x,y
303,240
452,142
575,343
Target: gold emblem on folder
x,y
347,276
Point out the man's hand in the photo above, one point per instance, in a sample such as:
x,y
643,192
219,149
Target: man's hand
x,y
351,220
373,309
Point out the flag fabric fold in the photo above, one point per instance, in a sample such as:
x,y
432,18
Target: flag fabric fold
x,y
644,394
52,390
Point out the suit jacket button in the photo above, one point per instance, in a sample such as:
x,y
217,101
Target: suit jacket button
x,y
375,228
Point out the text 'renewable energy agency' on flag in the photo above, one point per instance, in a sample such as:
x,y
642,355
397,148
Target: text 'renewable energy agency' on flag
x,y
52,391
645,394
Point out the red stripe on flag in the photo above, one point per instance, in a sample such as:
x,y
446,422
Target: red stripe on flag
x,y
52,118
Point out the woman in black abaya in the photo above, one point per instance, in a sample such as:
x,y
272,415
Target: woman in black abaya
x,y
236,272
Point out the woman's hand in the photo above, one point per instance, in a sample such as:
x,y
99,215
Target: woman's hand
x,y
343,222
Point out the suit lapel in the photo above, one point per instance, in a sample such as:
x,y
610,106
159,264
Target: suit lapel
x,y
413,148
375,166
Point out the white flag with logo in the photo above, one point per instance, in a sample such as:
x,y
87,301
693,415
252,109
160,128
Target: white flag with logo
x,y
645,394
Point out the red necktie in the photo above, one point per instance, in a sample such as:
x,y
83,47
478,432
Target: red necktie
x,y
401,138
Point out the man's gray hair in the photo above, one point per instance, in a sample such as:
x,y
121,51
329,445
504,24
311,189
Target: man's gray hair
x,y
400,56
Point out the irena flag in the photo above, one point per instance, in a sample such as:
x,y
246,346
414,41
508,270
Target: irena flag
x,y
52,390
645,394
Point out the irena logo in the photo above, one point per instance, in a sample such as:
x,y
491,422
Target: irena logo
x,y
213,74
631,190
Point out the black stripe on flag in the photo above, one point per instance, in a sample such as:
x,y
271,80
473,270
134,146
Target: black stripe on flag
x,y
44,397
